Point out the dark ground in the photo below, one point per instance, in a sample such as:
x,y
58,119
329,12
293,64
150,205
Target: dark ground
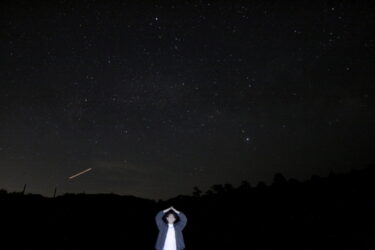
x,y
334,212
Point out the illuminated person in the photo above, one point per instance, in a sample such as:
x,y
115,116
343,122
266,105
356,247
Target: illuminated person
x,y
170,234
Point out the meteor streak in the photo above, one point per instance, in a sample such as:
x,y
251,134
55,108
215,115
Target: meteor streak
x,y
84,171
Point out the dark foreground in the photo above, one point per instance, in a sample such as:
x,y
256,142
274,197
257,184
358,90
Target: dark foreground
x,y
335,212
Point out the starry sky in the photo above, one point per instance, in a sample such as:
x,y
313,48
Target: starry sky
x,y
160,96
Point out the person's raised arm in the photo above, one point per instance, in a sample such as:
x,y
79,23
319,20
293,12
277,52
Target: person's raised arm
x,y
159,217
166,210
183,220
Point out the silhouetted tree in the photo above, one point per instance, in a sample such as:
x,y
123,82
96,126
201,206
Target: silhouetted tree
x,y
218,189
209,192
279,180
228,187
331,174
261,185
244,186
293,182
196,191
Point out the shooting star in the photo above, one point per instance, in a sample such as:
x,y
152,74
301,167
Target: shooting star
x,y
84,171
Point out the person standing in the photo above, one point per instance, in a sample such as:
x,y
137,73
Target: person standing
x,y
170,234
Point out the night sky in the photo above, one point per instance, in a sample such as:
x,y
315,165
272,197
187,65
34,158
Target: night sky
x,y
160,96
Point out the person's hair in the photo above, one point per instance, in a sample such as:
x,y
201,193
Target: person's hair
x,y
167,214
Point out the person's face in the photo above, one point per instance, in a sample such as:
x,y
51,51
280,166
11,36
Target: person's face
x,y
171,219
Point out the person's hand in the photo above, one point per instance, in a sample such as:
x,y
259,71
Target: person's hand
x,y
166,210
177,212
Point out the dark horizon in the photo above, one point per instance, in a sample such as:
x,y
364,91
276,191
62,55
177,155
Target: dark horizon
x,y
336,212
198,191
158,98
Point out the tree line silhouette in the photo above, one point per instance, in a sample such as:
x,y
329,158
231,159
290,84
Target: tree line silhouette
x,y
333,212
